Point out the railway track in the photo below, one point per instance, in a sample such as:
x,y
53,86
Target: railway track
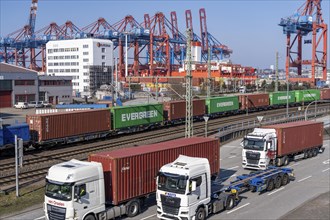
x,y
36,165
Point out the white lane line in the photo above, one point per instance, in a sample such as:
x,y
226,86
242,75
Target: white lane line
x,y
232,168
227,177
294,165
42,217
148,217
275,191
326,170
304,179
238,208
232,156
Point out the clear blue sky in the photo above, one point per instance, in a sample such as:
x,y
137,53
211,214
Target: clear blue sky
x,y
249,27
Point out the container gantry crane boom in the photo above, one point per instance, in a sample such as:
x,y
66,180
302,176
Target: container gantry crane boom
x,y
307,20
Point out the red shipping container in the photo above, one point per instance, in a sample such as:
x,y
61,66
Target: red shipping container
x,y
298,136
253,101
325,94
44,127
174,110
131,172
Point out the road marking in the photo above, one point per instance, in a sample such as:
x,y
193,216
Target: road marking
x,y
275,191
232,156
42,217
238,208
294,164
227,177
326,169
326,161
148,217
233,168
304,178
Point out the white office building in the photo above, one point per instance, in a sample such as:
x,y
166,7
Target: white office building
x,y
88,61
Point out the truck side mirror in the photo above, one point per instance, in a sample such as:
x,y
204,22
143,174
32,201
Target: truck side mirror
x,y
76,193
193,186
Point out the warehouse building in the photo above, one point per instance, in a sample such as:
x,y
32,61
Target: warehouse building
x,y
18,84
88,61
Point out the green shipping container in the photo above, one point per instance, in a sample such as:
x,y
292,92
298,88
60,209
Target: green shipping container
x,y
221,104
130,116
307,95
280,98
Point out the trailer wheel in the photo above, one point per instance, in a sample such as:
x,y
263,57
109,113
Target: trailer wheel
x,y
310,153
89,217
278,182
286,161
305,154
133,208
270,185
200,214
315,152
230,202
285,179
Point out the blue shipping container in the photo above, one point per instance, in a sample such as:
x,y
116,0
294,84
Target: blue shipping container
x,y
21,130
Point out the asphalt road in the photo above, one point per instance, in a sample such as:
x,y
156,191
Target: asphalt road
x,y
312,180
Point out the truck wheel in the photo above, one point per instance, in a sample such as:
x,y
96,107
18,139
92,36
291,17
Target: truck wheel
x,y
278,182
315,152
230,202
200,214
310,153
286,161
90,217
285,179
132,208
305,155
253,188
270,185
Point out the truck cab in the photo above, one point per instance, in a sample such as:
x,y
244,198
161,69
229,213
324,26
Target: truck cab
x,y
183,188
259,148
74,190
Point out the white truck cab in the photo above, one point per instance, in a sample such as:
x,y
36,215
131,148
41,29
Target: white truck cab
x,y
259,148
183,187
74,190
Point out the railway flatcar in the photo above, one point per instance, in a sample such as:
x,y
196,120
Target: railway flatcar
x,y
136,117
277,99
221,105
67,127
254,102
175,111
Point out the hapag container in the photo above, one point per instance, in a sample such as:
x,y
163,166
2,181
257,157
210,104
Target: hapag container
x,y
174,110
222,104
295,137
280,98
253,101
130,116
44,127
325,94
308,95
131,172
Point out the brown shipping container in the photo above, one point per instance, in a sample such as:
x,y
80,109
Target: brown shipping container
x,y
46,127
131,172
177,109
252,101
295,137
325,94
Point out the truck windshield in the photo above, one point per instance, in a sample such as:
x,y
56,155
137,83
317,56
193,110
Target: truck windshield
x,y
253,144
172,183
60,191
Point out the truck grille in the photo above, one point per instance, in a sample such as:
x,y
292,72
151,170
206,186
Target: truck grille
x,y
250,161
55,213
170,210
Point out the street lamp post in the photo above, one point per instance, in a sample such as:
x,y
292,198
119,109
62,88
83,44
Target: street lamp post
x,y
287,97
126,55
315,107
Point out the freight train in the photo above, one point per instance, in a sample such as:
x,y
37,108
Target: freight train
x,y
68,127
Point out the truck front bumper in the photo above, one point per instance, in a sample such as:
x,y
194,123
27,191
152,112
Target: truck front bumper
x,y
182,215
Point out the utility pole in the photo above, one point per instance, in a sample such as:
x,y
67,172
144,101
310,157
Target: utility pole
x,y
189,107
276,73
208,93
